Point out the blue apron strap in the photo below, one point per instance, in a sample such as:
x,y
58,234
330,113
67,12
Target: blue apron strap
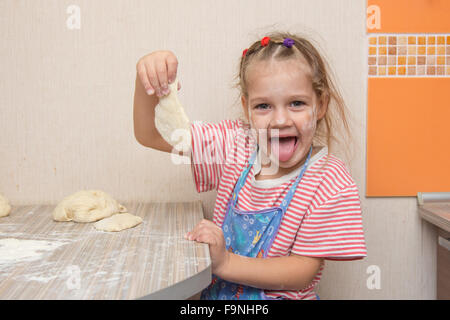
x,y
243,177
287,199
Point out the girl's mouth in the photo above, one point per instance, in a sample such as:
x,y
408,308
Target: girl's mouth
x,y
284,147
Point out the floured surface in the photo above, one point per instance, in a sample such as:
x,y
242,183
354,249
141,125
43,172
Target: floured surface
x,y
83,263
14,250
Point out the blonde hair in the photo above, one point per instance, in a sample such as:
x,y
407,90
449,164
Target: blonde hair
x,y
321,78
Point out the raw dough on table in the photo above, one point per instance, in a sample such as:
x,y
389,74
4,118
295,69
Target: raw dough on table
x,y
5,208
171,120
87,206
118,222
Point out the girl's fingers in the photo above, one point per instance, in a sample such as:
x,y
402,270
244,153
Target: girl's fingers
x,y
151,75
161,71
201,237
179,85
201,227
205,237
142,74
156,71
205,234
193,235
172,65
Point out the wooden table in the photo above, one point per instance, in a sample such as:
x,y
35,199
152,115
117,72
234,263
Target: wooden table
x,y
150,261
438,213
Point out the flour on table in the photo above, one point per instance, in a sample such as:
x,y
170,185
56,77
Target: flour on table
x,y
42,279
118,222
87,206
5,208
16,250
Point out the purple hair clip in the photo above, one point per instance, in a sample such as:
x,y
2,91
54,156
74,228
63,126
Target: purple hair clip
x,y
288,42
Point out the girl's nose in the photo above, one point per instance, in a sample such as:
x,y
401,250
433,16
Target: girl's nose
x,y
280,117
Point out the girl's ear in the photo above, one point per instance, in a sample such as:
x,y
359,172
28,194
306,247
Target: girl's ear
x,y
323,106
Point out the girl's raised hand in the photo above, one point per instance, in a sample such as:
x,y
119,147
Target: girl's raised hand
x,y
156,70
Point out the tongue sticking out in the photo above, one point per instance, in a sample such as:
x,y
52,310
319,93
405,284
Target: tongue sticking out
x,y
283,148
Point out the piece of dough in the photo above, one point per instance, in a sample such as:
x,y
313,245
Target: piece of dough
x,y
5,208
172,122
118,222
87,206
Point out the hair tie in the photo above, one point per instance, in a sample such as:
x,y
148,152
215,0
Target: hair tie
x,y
265,41
288,42
244,52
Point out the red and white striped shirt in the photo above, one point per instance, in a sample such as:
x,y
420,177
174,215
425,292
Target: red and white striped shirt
x,y
323,218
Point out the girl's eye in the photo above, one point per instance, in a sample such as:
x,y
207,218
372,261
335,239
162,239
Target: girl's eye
x,y
262,106
298,103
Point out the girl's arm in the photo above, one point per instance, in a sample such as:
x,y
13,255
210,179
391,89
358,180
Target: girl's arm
x,y
292,272
144,119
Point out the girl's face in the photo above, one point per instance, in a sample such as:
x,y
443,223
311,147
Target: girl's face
x,y
283,110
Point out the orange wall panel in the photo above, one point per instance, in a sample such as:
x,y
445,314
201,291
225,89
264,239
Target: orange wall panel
x,y
408,141
408,123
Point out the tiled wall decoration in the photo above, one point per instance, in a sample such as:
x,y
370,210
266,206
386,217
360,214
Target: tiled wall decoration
x,y
409,55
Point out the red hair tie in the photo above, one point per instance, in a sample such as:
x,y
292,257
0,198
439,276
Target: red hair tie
x,y
244,52
265,41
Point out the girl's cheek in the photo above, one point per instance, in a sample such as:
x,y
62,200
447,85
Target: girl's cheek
x,y
308,126
259,125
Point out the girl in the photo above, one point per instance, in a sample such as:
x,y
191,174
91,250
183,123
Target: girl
x,y
284,204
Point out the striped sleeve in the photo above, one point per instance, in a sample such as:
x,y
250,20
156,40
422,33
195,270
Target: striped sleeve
x,y
334,229
210,143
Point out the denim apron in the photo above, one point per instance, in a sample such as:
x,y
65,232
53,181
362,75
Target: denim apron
x,y
250,234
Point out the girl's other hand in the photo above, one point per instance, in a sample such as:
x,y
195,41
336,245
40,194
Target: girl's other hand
x,y
208,232
156,70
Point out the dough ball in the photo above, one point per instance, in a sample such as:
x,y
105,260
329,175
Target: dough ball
x,y
118,222
172,122
87,206
5,208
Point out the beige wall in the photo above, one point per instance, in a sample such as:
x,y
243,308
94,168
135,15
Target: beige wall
x,y
66,111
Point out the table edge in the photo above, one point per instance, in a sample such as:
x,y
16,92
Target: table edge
x,y
434,219
183,289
